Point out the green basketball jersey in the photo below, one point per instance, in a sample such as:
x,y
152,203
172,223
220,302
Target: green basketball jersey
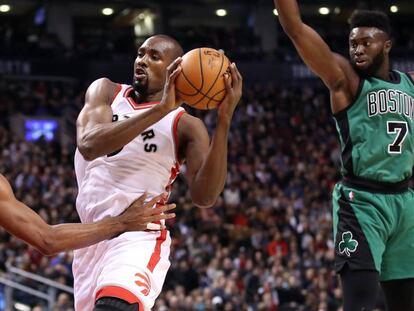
x,y
376,131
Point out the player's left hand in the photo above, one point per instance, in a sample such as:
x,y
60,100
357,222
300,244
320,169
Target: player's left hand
x,y
141,216
234,85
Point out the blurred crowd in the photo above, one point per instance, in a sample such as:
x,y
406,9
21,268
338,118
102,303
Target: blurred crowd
x,y
265,245
23,40
238,43
101,41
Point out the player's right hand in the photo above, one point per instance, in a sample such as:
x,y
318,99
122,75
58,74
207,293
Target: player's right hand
x,y
234,86
139,215
170,100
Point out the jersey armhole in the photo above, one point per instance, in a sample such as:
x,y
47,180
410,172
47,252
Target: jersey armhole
x,y
408,74
342,113
117,90
175,134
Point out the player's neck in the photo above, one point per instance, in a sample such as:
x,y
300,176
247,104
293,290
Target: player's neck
x,y
147,98
384,71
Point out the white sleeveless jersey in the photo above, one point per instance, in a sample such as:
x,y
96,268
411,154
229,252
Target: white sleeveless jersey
x,y
109,184
133,263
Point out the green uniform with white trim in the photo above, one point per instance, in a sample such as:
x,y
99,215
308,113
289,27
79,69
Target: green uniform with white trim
x,y
373,206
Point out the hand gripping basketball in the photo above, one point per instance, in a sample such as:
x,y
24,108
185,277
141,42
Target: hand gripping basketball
x,y
169,99
201,82
234,86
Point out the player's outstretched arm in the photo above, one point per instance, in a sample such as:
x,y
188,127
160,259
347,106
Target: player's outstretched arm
x,y
97,135
207,163
21,221
311,47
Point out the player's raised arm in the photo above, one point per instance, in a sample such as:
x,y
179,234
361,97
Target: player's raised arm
x,y
97,135
207,162
24,223
330,67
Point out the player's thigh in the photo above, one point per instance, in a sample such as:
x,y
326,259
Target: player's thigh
x,y
135,268
359,234
399,294
399,253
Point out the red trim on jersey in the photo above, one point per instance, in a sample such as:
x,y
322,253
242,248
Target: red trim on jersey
x,y
175,133
156,255
135,105
118,89
175,170
121,293
127,90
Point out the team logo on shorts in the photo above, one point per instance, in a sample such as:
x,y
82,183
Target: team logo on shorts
x,y
144,282
348,245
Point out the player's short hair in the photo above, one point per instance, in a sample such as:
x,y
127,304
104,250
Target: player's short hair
x,y
367,18
178,50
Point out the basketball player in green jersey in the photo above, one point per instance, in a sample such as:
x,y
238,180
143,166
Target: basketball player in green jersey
x,y
373,207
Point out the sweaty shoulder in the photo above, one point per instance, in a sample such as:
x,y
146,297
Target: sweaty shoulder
x,y
101,91
191,130
5,188
411,75
189,123
346,89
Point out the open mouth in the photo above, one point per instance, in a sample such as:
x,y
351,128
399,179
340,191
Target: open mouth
x,y
140,73
360,62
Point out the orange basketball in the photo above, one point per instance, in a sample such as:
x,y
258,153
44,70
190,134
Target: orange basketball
x,y
201,82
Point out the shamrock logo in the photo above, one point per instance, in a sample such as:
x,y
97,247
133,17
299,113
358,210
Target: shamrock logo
x,y
348,244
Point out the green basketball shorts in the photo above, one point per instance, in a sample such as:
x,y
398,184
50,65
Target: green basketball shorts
x,y
374,231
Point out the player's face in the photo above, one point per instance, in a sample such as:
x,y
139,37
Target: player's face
x,y
150,66
368,48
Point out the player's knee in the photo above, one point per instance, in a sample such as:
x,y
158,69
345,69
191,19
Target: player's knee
x,y
360,289
115,304
399,294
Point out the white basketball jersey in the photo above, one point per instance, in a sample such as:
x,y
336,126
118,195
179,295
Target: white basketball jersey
x,y
136,262
108,184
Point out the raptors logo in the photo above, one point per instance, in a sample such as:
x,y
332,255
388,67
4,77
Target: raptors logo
x,y
144,282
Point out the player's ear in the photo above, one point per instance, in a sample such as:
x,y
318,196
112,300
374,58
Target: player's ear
x,y
387,46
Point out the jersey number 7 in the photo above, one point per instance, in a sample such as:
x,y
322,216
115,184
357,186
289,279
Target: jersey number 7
x,y
399,128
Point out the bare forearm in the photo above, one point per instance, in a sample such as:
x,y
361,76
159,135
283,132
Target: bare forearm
x,y
289,15
105,138
74,236
21,221
210,179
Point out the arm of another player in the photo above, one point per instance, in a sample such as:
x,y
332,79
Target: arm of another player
x,y
97,135
24,223
207,163
335,71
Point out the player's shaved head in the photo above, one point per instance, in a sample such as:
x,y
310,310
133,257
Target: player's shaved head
x,y
176,47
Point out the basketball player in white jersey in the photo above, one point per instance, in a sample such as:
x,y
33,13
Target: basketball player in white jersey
x,y
22,222
133,139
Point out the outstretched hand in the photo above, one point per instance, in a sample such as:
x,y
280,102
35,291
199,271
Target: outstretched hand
x,y
140,216
234,85
169,100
